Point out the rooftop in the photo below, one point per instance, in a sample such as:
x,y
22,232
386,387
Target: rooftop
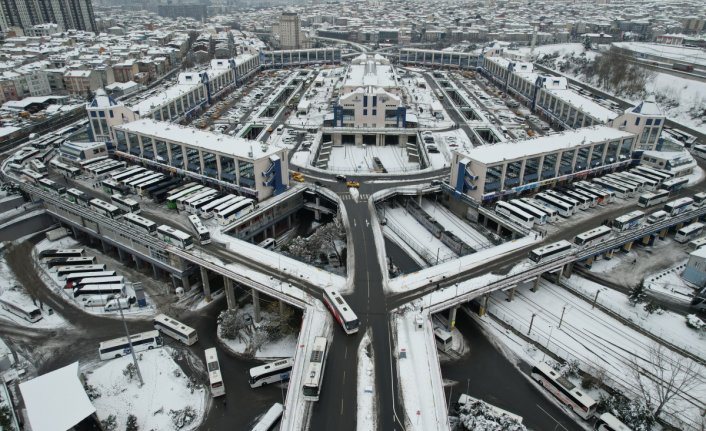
x,y
585,104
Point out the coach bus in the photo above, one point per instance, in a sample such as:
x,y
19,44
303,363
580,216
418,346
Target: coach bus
x,y
27,311
561,207
341,311
315,367
227,204
186,203
678,206
113,187
515,214
203,235
653,198
108,167
603,197
194,207
38,166
540,217
51,186
66,252
69,261
608,422
655,172
565,391
621,180
63,271
699,199
552,214
689,232
104,290
213,367
172,201
126,173
675,184
105,208
175,329
583,197
142,224
646,183
126,204
71,279
551,251
205,211
631,220
235,211
175,237
566,199
85,281
593,236
78,197
274,372
142,188
180,189
268,420
122,346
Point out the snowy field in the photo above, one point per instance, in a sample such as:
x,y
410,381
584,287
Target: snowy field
x,y
166,391
352,158
367,411
459,227
283,347
599,342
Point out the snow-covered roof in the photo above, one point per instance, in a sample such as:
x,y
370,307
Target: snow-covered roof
x,y
371,72
225,144
102,100
647,107
488,154
584,104
56,401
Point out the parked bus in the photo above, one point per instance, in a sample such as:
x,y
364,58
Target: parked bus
x,y
269,419
540,217
699,151
608,422
604,196
566,199
93,161
657,216
655,172
315,367
122,346
552,214
268,244
105,208
180,189
108,167
38,166
515,214
689,232
551,251
697,243
653,198
203,235
205,211
24,155
78,197
235,211
175,237
593,236
26,311
656,178
142,188
190,200
135,186
631,220
615,177
175,329
166,184
68,261
126,173
113,187
51,186
443,339
566,392
675,184
213,368
678,206
194,207
72,278
126,204
144,225
585,199
562,208
63,271
66,252
173,199
227,204
647,183
699,199
619,190
630,189
85,281
341,311
105,290
274,372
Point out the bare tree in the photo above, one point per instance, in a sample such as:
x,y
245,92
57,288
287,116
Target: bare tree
x,y
662,376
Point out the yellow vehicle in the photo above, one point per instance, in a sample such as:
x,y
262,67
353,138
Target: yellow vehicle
x,y
270,129
355,184
298,176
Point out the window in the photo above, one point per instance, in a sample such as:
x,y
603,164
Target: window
x,y
365,112
111,114
648,122
375,112
637,121
101,114
365,100
658,121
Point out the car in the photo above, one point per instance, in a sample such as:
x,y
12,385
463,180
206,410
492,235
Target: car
x,y
354,184
298,179
340,177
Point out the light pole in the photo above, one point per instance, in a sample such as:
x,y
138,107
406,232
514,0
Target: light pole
x,y
561,319
596,298
531,322
129,341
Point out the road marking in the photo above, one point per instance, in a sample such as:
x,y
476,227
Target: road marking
x,y
345,354
367,223
344,376
341,406
547,413
354,223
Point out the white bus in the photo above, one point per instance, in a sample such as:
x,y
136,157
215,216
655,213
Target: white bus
x,y
540,217
108,167
203,235
205,211
315,367
126,204
144,225
689,232
66,252
268,420
674,184
629,188
188,202
657,216
135,186
142,188
699,199
566,392
38,166
515,214
105,208
175,237
583,197
180,189
121,346
593,236
655,172
565,210
274,372
51,186
631,220
341,311
552,214
678,206
602,195
566,199
235,211
214,373
653,198
619,190
126,173
26,311
105,290
63,271
608,422
72,278
175,329
181,201
647,184
697,243
551,251
129,181
268,243
443,339
657,179
639,188
111,279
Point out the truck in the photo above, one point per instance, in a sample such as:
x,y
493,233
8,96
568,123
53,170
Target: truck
x,y
683,67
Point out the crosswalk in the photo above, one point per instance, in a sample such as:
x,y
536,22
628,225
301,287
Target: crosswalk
x,y
348,197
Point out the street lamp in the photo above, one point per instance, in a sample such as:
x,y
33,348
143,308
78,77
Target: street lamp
x,y
596,297
129,341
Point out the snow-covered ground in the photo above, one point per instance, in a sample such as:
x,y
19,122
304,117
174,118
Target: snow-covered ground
x,y
670,284
460,228
681,99
599,342
283,347
367,412
562,49
352,158
417,236
166,390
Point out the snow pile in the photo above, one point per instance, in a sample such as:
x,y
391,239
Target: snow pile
x,y
167,401
476,415
261,340
367,411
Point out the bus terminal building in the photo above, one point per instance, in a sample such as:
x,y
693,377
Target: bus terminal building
x,y
491,172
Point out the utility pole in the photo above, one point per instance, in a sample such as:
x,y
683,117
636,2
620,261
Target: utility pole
x,y
129,341
562,316
531,322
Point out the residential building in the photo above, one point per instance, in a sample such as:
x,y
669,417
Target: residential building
x,y
289,31
67,14
82,82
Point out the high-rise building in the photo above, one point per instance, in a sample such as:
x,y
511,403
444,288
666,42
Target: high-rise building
x,y
67,14
289,31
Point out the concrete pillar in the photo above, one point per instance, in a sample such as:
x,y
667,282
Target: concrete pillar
x,y
230,292
511,294
155,271
121,254
663,233
185,283
535,285
609,254
627,246
138,262
289,221
105,247
205,284
566,270
589,261
75,231
256,305
452,317
175,281
484,305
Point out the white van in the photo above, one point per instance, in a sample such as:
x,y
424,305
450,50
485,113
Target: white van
x,y
657,216
95,300
280,129
269,244
115,304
